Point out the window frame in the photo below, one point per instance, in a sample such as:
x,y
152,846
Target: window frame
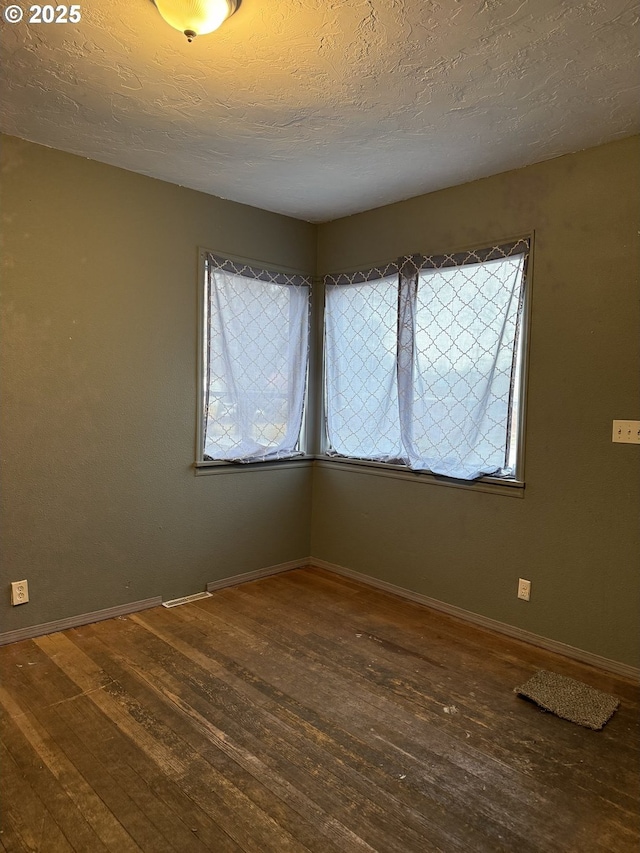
x,y
513,486
220,466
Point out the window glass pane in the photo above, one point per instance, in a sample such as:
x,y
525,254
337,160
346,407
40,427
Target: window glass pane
x,y
361,378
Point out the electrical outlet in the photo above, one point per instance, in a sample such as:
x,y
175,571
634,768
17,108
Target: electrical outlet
x,y
19,592
524,589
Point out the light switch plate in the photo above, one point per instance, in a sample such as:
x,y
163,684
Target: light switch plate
x,y
626,432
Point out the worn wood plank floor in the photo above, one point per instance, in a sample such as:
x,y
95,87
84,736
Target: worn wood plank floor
x,y
304,712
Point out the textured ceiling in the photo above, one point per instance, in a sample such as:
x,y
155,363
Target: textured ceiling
x,y
322,108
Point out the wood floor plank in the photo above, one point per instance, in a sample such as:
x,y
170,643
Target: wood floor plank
x,y
133,766
261,742
190,641
205,783
485,694
304,713
71,778
394,668
409,620
104,785
49,790
372,723
20,663
167,809
361,745
24,815
152,844
300,718
581,733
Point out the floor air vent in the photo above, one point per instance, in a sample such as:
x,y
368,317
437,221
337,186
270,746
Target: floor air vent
x,y
186,599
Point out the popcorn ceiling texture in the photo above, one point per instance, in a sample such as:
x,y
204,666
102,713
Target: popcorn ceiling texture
x,y
322,108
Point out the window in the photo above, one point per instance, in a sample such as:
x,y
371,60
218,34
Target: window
x,y
254,362
423,362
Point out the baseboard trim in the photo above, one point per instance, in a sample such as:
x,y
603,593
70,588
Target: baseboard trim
x,y
255,575
589,658
136,606
76,621
615,667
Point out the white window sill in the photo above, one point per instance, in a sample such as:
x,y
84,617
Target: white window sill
x,y
491,485
206,468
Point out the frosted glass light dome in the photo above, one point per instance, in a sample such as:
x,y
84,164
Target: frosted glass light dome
x,y
196,17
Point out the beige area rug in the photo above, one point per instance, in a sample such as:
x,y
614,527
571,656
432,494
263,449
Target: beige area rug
x,y
570,699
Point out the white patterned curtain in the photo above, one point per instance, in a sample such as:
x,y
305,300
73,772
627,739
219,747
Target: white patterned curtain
x,y
257,331
361,376
422,362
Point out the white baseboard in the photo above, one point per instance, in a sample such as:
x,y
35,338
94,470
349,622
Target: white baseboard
x,y
245,577
76,621
622,669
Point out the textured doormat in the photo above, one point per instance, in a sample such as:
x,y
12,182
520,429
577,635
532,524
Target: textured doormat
x,y
570,699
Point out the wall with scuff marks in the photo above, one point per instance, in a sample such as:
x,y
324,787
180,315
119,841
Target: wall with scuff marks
x,y
575,534
100,505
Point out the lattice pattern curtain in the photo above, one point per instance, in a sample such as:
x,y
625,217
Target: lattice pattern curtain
x,y
257,329
422,362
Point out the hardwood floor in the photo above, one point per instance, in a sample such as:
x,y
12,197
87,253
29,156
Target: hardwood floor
x,y
304,712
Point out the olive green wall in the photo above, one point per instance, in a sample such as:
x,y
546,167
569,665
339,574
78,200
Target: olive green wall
x,y
100,503
575,534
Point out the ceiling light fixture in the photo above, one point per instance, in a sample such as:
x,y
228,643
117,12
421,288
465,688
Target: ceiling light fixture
x,y
196,17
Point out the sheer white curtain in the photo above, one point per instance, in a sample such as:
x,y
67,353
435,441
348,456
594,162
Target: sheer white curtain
x,y
422,366
456,417
361,376
256,362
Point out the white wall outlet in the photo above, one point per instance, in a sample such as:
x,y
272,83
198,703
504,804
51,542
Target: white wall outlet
x,y
524,589
626,432
19,592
